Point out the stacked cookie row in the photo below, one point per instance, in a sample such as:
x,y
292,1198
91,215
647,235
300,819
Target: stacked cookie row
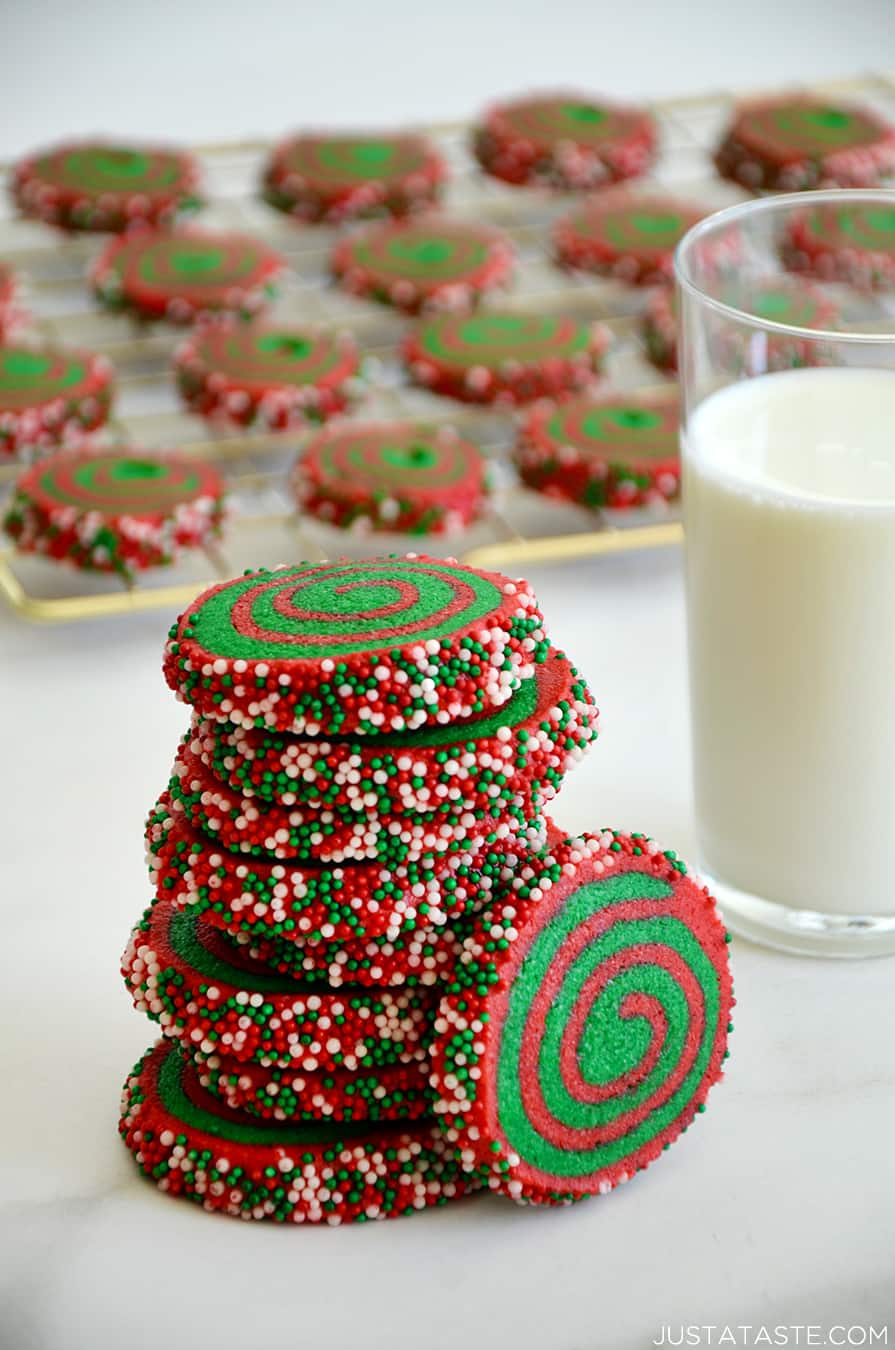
x,y
371,751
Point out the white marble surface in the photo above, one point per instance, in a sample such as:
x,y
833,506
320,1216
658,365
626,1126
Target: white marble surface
x,y
779,1205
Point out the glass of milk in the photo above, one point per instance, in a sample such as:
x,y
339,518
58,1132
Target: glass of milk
x,y
788,442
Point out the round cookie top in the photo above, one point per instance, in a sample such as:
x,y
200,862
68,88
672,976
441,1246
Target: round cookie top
x,y
186,272
786,129
594,1002
31,376
381,643
410,262
121,482
613,429
393,457
336,162
850,226
637,233
493,339
783,300
105,185
547,121
263,356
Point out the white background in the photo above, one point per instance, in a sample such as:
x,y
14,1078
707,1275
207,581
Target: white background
x,y
779,1206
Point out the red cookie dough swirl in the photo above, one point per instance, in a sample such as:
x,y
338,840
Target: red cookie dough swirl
x,y
619,234
851,243
565,140
324,1171
115,510
337,177
210,995
187,274
246,825
505,358
393,1092
512,757
587,1022
51,396
788,144
309,900
432,262
403,477
265,374
603,452
106,186
376,645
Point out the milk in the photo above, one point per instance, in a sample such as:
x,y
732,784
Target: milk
x,y
789,498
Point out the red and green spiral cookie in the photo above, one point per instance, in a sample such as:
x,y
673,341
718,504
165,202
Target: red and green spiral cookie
x,y
373,645
392,1092
211,995
487,765
779,299
310,900
587,1022
613,451
631,238
116,510
337,177
51,396
402,477
185,275
787,144
270,830
102,185
850,243
265,374
505,358
326,1171
431,262
570,141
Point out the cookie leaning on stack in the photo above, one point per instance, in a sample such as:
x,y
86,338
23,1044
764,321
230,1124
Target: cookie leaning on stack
x,y
350,855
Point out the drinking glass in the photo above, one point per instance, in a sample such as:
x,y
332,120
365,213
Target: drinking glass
x,y
786,335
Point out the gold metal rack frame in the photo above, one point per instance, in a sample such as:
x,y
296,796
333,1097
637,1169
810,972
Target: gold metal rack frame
x,y
521,527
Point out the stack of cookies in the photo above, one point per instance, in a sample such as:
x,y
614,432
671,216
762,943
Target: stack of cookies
x,y
354,880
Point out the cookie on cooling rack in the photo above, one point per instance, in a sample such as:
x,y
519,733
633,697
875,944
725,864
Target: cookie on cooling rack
x,y
338,176
791,143
850,242
184,275
571,141
405,477
615,451
503,357
50,396
266,374
430,262
115,510
325,1171
106,185
624,235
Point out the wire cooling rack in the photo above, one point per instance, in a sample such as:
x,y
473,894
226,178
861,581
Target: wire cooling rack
x,y
264,528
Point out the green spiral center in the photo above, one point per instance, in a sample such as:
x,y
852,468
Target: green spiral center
x,y
612,1044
